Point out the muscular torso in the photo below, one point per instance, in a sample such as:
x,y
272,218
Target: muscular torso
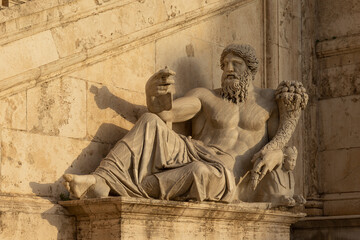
x,y
238,129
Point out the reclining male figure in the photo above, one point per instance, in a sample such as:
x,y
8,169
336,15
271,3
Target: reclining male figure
x,y
236,128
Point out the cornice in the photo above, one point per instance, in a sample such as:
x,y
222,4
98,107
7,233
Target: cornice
x,y
338,46
114,47
59,15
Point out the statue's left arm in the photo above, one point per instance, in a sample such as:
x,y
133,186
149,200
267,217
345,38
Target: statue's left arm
x,y
291,98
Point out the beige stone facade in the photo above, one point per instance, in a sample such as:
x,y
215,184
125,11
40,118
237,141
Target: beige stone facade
x,y
72,77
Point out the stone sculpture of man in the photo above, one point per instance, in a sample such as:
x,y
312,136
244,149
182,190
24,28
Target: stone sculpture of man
x,y
278,186
236,128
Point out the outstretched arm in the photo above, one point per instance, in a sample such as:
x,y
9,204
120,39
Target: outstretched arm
x,y
291,98
159,89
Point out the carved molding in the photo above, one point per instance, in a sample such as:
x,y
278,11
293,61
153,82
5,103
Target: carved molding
x,y
116,217
338,46
112,48
56,21
29,204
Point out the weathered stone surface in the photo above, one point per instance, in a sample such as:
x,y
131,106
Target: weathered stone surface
x,y
339,122
107,26
33,164
58,108
154,219
339,18
339,170
340,76
224,29
111,112
129,70
193,64
96,48
339,204
113,29
291,59
32,218
13,112
327,227
27,53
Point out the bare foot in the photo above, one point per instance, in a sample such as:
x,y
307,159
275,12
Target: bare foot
x,y
78,185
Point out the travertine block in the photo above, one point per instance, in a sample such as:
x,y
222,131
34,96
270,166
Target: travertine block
x,y
177,7
344,16
107,25
34,164
337,170
129,70
31,218
27,53
192,64
115,218
327,227
339,122
216,69
338,204
340,81
111,112
18,225
342,207
224,29
58,108
13,111
289,62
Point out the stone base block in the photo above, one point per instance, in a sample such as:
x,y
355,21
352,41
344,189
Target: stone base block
x,y
135,218
327,227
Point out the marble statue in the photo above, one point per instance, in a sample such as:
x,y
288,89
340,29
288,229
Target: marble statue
x,y
278,185
235,129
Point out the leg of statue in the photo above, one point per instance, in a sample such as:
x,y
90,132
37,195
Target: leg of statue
x,y
149,147
195,181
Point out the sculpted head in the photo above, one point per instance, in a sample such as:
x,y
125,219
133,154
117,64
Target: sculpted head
x,y
290,155
239,65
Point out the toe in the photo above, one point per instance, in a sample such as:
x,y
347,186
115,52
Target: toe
x,y
68,177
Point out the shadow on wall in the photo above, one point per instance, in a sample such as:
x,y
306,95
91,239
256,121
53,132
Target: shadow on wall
x,y
89,158
189,75
101,143
105,138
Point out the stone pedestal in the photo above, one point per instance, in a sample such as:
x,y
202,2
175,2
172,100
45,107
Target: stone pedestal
x,y
327,227
135,218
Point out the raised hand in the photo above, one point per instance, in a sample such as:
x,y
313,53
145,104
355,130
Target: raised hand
x,y
159,89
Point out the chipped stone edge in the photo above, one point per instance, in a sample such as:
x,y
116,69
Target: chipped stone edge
x,y
120,45
65,19
121,206
30,204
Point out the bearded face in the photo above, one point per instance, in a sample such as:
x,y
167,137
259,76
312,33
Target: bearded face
x,y
235,79
235,87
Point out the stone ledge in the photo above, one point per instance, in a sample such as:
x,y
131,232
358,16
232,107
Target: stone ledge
x,y
104,50
338,46
135,218
327,227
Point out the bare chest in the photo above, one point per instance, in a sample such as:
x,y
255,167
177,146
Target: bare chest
x,y
247,116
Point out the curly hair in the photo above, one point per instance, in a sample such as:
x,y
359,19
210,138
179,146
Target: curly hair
x,y
290,150
246,52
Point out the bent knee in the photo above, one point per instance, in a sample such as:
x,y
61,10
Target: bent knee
x,y
151,117
200,169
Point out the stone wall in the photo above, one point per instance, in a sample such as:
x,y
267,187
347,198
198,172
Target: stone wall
x,y
339,105
330,46
72,76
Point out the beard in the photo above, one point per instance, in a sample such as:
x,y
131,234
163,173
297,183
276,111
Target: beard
x,y
235,88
